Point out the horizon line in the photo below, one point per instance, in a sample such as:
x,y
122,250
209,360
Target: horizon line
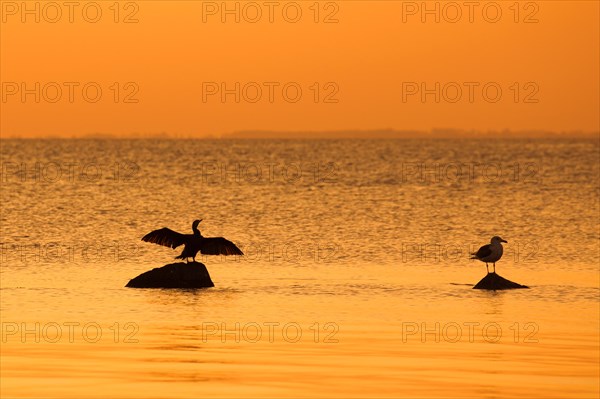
x,y
373,134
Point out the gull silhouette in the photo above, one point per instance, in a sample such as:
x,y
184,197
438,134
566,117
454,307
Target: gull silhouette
x,y
490,253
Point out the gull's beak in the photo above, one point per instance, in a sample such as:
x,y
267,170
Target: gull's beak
x,y
504,241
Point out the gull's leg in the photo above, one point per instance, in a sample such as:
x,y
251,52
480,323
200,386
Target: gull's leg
x,y
494,267
486,268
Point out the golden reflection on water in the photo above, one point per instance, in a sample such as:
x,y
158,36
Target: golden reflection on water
x,y
381,342
377,318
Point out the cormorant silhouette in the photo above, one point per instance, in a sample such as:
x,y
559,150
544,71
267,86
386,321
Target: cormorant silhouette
x,y
192,242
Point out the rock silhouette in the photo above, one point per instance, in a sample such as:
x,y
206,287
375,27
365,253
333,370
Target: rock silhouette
x,y
495,282
174,275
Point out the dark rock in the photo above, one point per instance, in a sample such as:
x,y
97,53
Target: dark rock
x,y
175,275
494,282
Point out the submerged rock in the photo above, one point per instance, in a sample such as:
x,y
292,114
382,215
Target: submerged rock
x,y
494,282
175,275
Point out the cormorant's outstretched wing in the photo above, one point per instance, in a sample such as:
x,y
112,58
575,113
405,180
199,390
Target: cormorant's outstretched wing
x,y
218,246
484,251
166,237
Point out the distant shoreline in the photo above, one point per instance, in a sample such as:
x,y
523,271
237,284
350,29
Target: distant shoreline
x,y
380,134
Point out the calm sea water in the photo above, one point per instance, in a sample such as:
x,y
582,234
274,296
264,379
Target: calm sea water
x,y
356,280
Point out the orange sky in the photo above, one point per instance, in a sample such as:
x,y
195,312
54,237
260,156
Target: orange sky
x,y
372,62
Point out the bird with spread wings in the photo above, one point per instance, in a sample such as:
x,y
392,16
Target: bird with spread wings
x,y
193,243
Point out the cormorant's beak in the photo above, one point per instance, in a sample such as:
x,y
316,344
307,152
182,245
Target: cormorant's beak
x,y
504,241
